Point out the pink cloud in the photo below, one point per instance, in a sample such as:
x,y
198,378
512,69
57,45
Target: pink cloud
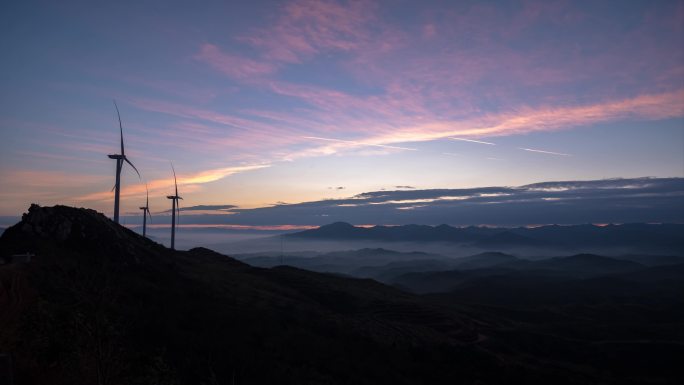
x,y
303,29
60,158
308,27
161,187
255,129
179,88
469,62
36,179
45,187
467,71
235,66
527,120
429,31
242,139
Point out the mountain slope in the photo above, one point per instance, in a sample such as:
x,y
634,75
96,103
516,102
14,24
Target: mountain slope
x,y
588,265
500,268
484,260
345,262
100,304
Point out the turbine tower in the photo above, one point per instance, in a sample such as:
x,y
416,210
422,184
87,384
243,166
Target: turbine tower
x,y
120,159
146,209
175,206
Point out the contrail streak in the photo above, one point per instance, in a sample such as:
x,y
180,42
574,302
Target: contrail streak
x,y
473,141
543,152
360,143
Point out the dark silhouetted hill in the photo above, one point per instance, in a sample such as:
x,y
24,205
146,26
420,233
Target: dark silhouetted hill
x,y
653,260
388,272
347,261
484,260
587,265
500,265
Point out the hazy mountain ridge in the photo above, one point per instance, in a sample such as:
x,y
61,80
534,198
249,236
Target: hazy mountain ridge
x,y
387,265
652,238
503,267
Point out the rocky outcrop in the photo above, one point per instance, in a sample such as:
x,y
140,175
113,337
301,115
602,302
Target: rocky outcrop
x,y
44,230
63,223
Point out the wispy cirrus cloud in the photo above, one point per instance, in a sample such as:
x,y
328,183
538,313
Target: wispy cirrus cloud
x,y
31,180
528,120
417,95
233,131
160,187
404,129
22,187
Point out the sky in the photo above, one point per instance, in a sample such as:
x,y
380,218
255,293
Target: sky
x,y
600,202
262,105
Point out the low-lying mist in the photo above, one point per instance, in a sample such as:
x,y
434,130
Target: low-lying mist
x,y
276,243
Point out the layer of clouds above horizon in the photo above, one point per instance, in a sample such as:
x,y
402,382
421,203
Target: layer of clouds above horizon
x,y
318,101
642,200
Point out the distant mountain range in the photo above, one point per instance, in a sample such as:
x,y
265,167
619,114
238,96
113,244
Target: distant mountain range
x,y
650,238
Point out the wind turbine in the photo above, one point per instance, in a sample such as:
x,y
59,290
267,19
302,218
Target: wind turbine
x,y
146,209
120,159
175,206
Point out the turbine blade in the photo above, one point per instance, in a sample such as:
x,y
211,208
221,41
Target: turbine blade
x,y
120,127
136,170
175,182
113,188
178,210
147,202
